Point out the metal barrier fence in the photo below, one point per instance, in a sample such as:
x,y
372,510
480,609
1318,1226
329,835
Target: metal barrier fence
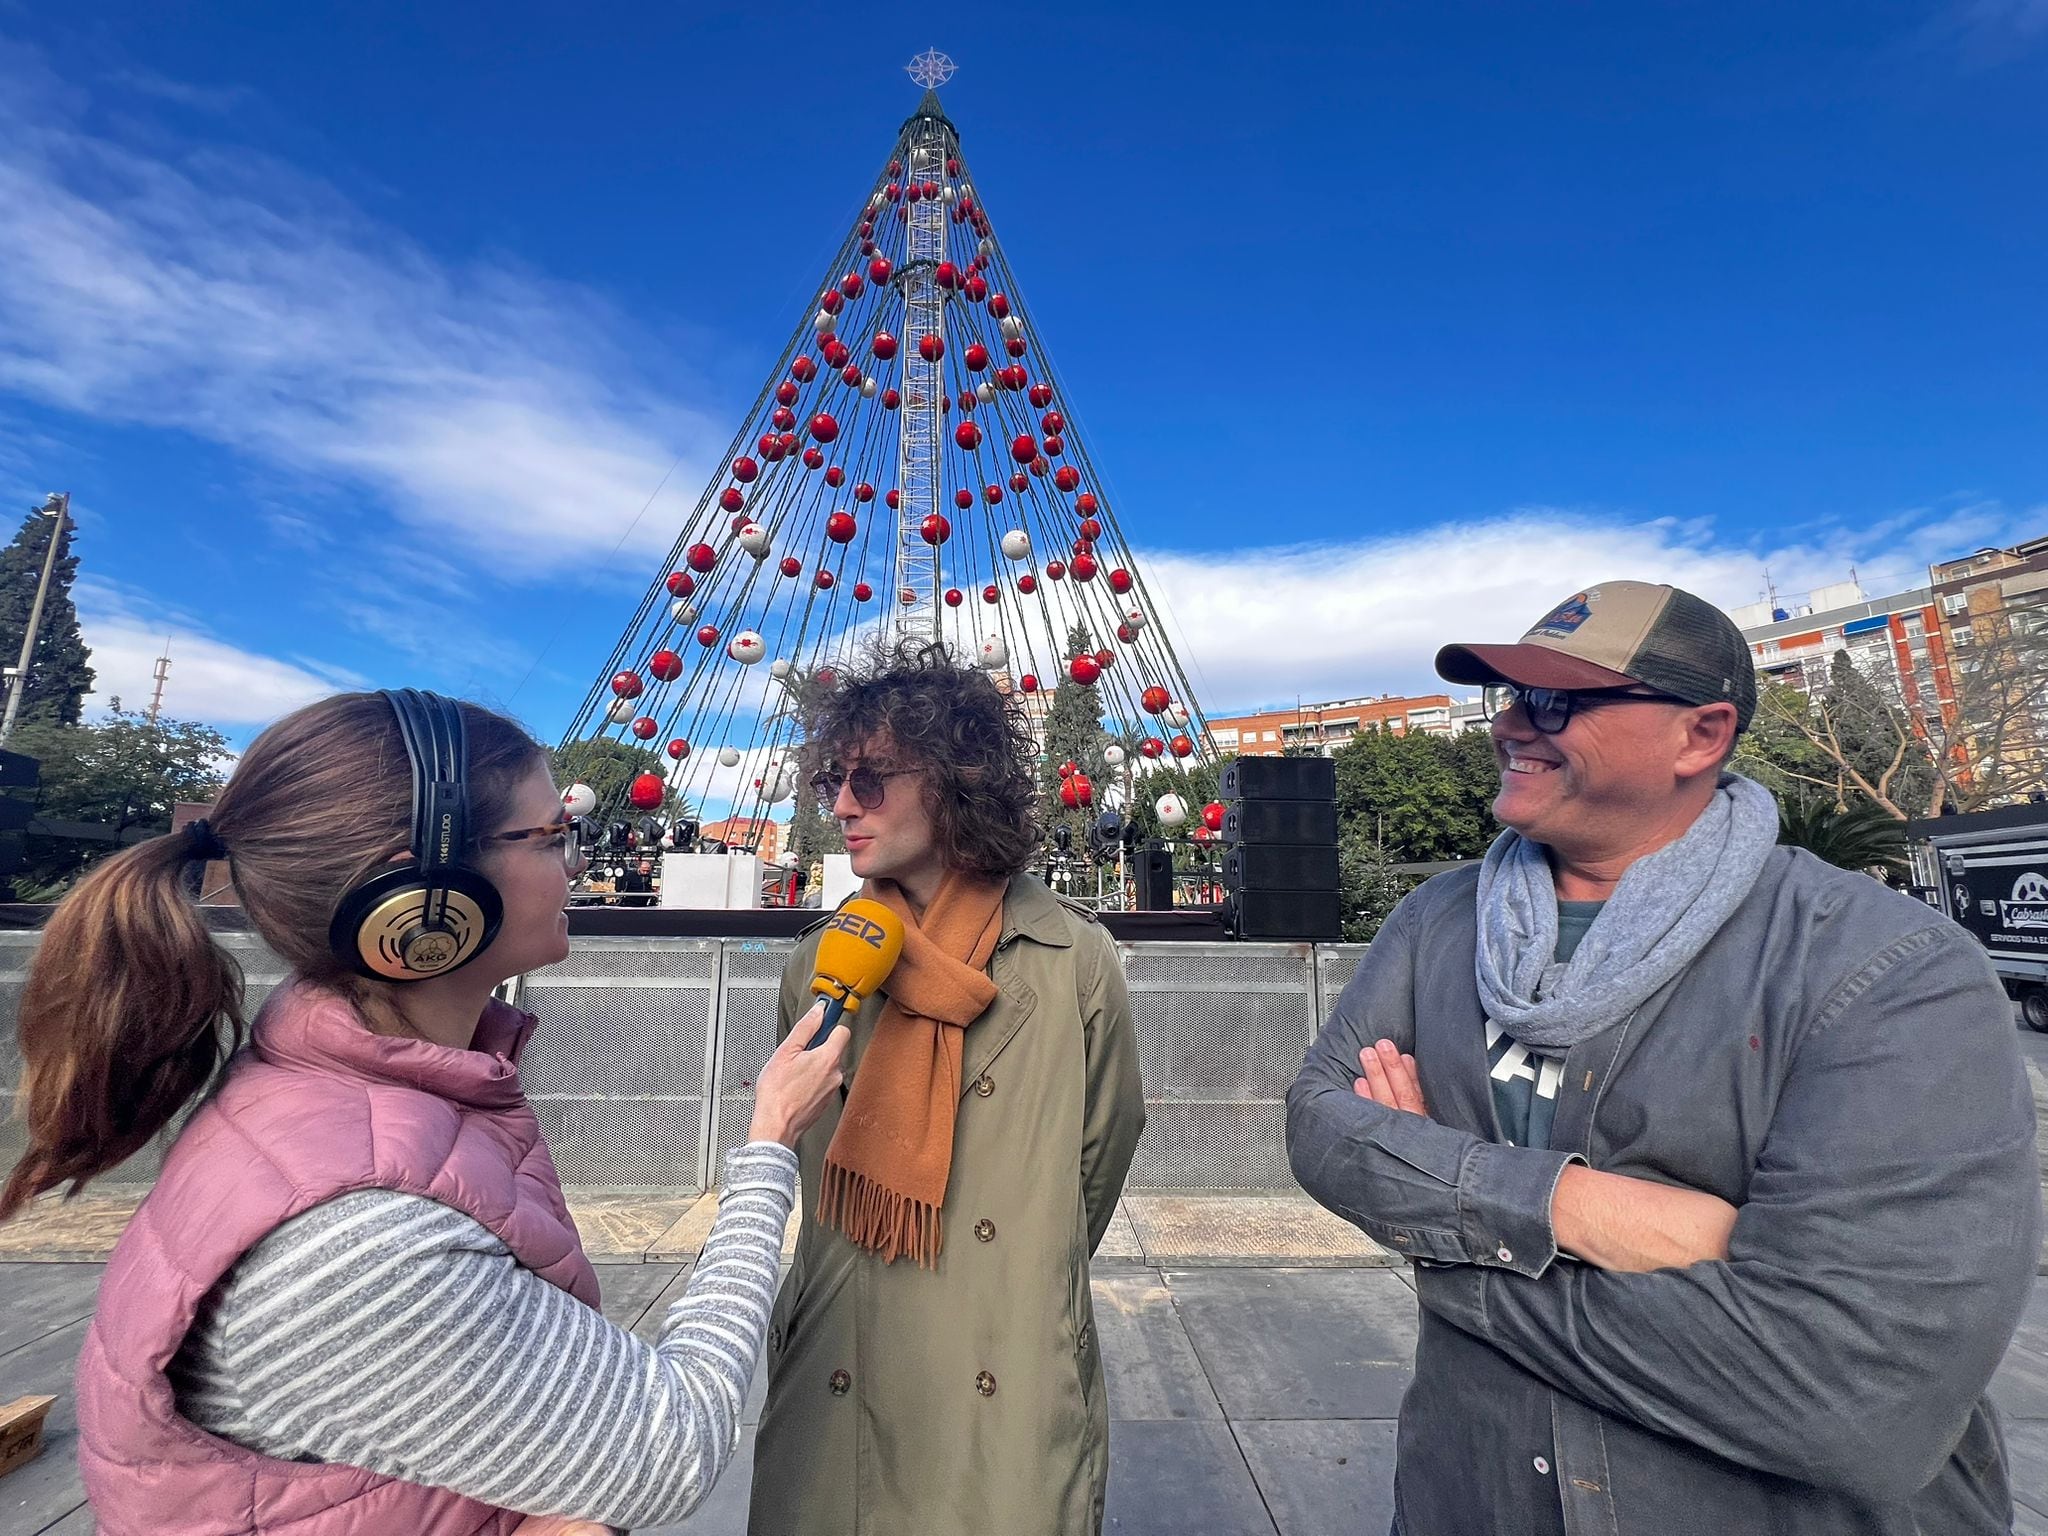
x,y
642,1064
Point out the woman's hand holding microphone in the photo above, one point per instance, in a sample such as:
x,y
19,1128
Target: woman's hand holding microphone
x,y
797,1084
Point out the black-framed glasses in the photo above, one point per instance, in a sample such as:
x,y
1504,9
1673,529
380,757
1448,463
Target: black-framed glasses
x,y
568,836
1550,709
869,785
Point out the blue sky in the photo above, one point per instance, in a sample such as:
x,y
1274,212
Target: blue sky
x,y
365,335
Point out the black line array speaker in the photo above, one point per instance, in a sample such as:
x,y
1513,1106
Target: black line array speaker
x,y
1280,865
1155,877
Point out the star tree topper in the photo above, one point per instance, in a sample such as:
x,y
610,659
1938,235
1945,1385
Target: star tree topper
x,y
931,69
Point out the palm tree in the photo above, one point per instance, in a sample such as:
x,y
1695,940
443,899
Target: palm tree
x,y
1853,835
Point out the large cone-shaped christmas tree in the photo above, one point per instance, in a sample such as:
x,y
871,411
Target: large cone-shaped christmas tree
x,y
912,468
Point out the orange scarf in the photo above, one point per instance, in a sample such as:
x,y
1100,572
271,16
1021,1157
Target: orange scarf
x,y
887,1167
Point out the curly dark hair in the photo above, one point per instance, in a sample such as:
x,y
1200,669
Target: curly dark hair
x,y
951,721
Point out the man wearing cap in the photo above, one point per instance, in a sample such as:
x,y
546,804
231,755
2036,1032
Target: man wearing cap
x,y
1716,1162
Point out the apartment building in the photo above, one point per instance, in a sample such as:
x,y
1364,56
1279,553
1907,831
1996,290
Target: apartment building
x,y
1327,726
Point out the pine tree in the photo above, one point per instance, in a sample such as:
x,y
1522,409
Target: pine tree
x,y
58,677
1074,734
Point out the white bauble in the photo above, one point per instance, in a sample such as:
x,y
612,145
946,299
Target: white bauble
x,y
1011,326
579,799
984,392
780,668
1173,811
622,711
1136,620
747,647
780,786
1017,544
682,611
826,322
995,654
729,757
754,540
868,387
1113,755
1174,717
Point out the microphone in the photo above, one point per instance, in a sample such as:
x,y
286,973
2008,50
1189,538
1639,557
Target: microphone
x,y
856,954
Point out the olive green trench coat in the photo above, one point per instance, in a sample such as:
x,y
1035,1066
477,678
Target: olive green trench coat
x,y
968,1398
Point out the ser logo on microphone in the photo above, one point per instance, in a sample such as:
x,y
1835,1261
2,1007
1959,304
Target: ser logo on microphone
x,y
865,929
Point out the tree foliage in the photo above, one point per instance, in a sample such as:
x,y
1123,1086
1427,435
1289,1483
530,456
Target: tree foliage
x,y
1859,835
1419,797
59,677
609,768
1074,734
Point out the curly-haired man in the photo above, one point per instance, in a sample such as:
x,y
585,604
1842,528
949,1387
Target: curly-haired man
x,y
932,1360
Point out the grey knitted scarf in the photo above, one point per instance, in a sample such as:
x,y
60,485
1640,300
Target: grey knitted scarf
x,y
1668,904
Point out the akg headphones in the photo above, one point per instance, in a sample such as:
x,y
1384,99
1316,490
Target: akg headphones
x,y
435,914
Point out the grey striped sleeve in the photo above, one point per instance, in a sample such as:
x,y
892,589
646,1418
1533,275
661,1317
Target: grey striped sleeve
x,y
391,1332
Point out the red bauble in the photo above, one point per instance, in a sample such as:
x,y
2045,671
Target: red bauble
x,y
991,594
813,458
1086,504
992,494
975,357
731,499
862,591
998,305
931,348
1055,446
1020,482
1084,670
1151,746
823,581
1067,477
890,399
786,392
851,285
1027,584
1076,792
646,727
1052,423
935,529
1090,529
1015,377
967,435
803,370
883,346
1054,570
1181,747
894,501
1155,698
1014,345
647,792
1104,657
1213,814
823,428
976,290
835,477
1123,633
708,636
863,493
791,566
850,375
627,685
666,665
679,748
879,270
1119,580
1084,567
745,470
963,498
837,353
782,418
1024,448
1040,396
840,527
954,597
769,448
831,301
700,558
947,275
1028,682
681,583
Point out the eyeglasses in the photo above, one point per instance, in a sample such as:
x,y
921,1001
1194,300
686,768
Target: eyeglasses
x,y
565,835
1550,709
869,785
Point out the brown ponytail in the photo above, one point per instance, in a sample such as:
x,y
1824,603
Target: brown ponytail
x,y
130,1006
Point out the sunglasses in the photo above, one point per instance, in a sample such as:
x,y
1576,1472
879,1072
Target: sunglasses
x,y
1550,709
869,785
567,836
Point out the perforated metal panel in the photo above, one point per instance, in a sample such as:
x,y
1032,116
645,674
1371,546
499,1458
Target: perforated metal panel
x,y
619,1068
753,980
261,972
1336,964
1222,1029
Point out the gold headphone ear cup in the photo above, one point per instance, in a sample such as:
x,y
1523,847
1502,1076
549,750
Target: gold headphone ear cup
x,y
381,927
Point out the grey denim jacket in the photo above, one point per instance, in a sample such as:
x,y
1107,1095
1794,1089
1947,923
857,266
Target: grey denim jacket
x,y
1841,1064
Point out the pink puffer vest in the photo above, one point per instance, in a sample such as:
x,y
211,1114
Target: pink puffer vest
x,y
319,1106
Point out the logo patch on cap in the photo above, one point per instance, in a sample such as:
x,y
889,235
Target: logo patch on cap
x,y
1564,620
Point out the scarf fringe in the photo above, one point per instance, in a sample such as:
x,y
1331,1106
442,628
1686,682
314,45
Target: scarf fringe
x,y
884,1221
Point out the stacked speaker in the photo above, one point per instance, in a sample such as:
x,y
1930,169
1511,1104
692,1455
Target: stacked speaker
x,y
1280,859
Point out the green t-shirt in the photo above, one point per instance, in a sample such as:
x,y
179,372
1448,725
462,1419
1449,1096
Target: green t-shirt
x,y
1525,1078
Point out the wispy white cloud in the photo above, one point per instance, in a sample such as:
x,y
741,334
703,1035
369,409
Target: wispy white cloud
x,y
210,679
216,292
1332,621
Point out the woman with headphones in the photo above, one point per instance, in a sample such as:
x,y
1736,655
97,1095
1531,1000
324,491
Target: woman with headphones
x,y
354,1300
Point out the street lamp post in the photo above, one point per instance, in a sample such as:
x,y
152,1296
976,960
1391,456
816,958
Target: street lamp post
x,y
58,506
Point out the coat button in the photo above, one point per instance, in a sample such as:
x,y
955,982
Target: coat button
x,y
985,1230
984,1085
985,1384
840,1382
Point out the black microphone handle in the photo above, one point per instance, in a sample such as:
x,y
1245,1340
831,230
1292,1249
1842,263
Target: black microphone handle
x,y
835,1012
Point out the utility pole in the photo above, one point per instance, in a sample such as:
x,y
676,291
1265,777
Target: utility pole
x,y
163,672
58,506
